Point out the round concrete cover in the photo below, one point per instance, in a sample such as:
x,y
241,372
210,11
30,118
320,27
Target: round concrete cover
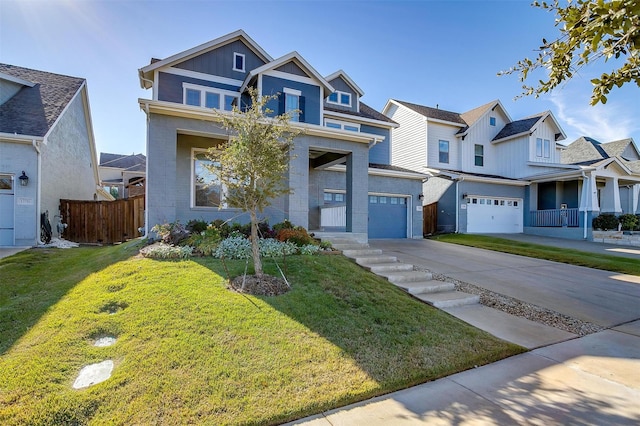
x,y
93,374
105,341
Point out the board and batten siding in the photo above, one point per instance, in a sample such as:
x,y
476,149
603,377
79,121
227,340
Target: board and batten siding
x,y
409,148
435,133
220,61
512,157
544,131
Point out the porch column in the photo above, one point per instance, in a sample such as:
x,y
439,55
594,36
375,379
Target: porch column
x,y
611,196
589,195
635,192
299,184
357,198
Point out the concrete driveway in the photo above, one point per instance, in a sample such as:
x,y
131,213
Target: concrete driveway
x,y
10,251
600,297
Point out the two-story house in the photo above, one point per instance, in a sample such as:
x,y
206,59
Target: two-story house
x,y
493,174
339,173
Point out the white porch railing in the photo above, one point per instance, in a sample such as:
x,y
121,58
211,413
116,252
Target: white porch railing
x,y
554,217
333,216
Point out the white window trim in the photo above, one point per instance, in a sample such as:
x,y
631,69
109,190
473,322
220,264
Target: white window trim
x,y
296,93
448,151
546,148
244,65
192,204
203,90
539,155
293,92
341,124
340,93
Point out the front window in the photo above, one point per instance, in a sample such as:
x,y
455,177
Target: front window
x,y
238,62
344,125
443,151
340,98
192,97
6,183
479,155
209,97
208,190
292,103
538,147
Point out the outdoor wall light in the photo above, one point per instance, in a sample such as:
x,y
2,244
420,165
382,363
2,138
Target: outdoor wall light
x,y
24,179
464,195
420,196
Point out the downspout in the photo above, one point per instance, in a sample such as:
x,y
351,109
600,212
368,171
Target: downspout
x,y
460,179
36,147
584,235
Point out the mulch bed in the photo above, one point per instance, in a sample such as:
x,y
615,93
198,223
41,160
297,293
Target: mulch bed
x,y
267,285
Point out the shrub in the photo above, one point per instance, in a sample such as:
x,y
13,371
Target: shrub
x,y
204,242
606,221
282,225
171,233
239,247
629,221
165,251
326,245
222,227
309,249
197,226
297,236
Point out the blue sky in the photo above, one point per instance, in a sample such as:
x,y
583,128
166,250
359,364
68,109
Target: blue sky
x,y
444,53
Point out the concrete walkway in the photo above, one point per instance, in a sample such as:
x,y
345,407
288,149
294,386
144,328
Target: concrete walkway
x,y
10,251
589,380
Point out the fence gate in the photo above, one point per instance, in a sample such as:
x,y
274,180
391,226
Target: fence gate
x,y
429,219
105,222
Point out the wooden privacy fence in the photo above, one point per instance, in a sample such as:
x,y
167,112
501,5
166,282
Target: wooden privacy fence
x,y
105,222
429,219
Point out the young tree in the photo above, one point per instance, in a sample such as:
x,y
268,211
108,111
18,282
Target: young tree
x,y
252,164
591,30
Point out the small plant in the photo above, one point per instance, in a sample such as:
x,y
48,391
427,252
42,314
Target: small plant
x,y
326,245
282,225
629,222
164,251
605,222
197,226
171,233
204,242
298,236
309,249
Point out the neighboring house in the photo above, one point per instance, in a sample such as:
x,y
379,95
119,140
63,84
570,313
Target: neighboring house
x,y
123,175
46,136
339,172
493,174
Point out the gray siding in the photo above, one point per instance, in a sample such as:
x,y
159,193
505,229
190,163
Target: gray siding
x,y
339,84
292,68
310,93
220,61
170,86
67,162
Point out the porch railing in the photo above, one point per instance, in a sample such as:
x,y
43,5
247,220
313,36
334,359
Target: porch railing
x,y
555,217
334,216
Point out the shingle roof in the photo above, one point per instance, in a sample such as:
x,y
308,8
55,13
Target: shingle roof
x,y
135,162
390,167
616,148
474,115
33,110
365,112
480,175
435,113
517,127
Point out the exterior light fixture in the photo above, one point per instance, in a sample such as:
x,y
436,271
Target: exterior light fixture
x,y
24,179
420,196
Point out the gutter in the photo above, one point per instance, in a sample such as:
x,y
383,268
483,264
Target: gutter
x,y
36,146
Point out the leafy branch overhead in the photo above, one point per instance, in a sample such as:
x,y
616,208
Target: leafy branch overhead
x,y
591,30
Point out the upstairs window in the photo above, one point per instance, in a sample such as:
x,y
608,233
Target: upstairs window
x,y
340,98
209,97
238,62
492,121
539,147
292,103
343,125
543,148
547,148
479,155
443,151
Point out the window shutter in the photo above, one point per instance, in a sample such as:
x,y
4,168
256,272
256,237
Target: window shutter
x,y
301,117
281,98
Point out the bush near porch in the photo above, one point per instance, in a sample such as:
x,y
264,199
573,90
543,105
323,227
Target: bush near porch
x,y
611,222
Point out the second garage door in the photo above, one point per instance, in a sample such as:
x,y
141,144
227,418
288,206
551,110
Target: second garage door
x,y
494,215
387,216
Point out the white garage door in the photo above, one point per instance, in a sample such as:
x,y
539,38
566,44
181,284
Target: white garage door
x,y
494,215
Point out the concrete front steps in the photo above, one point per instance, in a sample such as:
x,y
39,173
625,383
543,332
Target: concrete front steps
x,y
420,284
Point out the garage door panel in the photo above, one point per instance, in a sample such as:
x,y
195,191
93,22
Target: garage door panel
x,y
491,215
387,217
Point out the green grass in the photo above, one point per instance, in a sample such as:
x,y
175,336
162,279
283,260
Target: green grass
x,y
189,351
557,254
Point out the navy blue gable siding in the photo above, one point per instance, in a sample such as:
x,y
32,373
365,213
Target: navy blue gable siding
x,y
310,101
292,68
220,61
170,86
379,154
340,85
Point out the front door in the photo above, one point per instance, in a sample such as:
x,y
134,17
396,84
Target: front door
x,y
6,210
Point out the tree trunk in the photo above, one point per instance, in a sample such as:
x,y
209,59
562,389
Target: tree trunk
x,y
255,247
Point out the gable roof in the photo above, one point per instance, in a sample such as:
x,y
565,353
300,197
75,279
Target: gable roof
x,y
473,116
289,57
617,148
586,150
35,108
517,127
434,113
146,73
347,79
135,162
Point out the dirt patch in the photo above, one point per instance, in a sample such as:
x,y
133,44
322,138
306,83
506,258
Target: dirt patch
x,y
266,285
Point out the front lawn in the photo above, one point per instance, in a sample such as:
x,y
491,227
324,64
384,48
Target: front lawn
x,y
622,265
189,351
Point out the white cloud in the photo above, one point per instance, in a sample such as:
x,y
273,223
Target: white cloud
x,y
605,123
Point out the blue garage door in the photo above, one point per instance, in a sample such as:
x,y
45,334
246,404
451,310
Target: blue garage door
x,y
387,217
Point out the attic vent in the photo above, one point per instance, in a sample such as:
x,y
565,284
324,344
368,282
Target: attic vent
x,y
558,136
